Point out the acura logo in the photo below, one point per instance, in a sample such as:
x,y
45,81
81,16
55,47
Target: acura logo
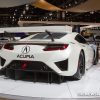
x,y
25,50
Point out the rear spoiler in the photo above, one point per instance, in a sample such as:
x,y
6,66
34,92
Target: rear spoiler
x,y
51,36
33,43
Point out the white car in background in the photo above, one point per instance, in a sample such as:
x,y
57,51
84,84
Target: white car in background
x,y
48,56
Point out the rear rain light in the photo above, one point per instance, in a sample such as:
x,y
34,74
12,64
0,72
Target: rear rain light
x,y
9,46
24,66
55,47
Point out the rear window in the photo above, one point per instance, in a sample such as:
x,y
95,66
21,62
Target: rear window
x,y
46,36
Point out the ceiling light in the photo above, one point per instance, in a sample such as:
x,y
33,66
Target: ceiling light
x,y
69,4
16,10
14,14
21,15
92,12
24,12
27,7
76,2
50,14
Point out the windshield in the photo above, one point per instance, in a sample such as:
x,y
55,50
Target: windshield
x,y
46,36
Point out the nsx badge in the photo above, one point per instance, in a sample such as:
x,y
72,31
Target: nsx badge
x,y
25,50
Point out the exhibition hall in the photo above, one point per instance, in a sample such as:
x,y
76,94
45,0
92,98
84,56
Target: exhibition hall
x,y
49,49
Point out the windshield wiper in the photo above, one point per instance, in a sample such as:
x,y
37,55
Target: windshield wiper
x,y
51,36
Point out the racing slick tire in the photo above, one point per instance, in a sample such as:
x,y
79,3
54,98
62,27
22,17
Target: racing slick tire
x,y
96,58
81,67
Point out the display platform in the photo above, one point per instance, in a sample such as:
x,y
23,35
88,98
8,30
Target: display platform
x,y
87,87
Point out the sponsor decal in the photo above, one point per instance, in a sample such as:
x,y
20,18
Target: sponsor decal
x,y
25,50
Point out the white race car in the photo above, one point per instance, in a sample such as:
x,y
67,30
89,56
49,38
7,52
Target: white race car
x,y
50,55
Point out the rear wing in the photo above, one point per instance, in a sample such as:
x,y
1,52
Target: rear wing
x,y
34,43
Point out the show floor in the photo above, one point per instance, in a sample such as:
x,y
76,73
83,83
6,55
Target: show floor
x,y
87,87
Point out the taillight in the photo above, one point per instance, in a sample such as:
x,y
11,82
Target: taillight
x,y
55,47
9,46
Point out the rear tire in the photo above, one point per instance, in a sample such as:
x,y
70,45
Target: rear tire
x,y
96,58
81,67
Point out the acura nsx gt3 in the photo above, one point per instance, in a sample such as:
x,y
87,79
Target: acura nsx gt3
x,y
52,55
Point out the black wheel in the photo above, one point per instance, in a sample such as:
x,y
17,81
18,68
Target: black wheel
x,y
81,67
96,58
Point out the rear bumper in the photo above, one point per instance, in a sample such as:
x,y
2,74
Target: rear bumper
x,y
31,71
58,61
